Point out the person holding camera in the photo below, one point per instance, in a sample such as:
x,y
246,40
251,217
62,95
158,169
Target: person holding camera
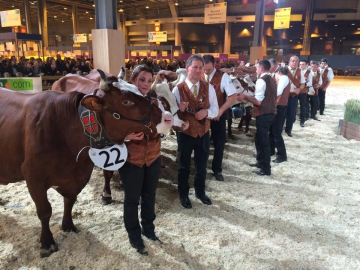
x,y
197,99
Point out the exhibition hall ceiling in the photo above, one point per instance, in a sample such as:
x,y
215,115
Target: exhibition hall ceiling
x,y
61,10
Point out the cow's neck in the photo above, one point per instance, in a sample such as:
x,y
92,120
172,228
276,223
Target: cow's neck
x,y
93,129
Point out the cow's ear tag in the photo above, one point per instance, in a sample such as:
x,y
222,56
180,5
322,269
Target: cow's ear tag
x,y
111,159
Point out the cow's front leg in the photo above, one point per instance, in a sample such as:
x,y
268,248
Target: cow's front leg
x,y
67,222
106,194
44,211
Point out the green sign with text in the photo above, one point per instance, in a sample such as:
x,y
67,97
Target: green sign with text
x,y
17,84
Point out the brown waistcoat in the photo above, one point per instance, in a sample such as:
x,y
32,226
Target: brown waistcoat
x,y
324,78
268,105
145,151
295,79
282,100
306,75
315,80
202,102
216,83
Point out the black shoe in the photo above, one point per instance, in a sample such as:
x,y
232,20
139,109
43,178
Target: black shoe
x,y
315,118
185,202
138,244
289,134
261,172
307,118
152,236
204,199
279,160
321,113
232,137
302,124
257,165
218,176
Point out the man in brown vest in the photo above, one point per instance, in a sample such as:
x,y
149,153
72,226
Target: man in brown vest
x,y
264,110
226,96
327,75
316,82
303,93
297,84
197,99
275,135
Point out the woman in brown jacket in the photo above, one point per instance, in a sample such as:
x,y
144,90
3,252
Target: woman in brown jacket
x,y
140,174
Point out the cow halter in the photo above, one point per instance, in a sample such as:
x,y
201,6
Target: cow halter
x,y
145,121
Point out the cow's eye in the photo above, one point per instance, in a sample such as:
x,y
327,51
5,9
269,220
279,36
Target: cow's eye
x,y
127,102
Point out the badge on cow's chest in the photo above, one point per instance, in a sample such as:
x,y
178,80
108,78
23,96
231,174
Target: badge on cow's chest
x,y
91,125
112,158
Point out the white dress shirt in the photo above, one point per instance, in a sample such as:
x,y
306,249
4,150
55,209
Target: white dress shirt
x,y
225,85
260,88
282,83
213,110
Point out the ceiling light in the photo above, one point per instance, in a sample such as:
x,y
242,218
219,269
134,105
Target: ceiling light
x,y
65,8
121,10
55,16
335,25
353,24
93,5
62,21
87,12
176,3
91,18
147,7
252,26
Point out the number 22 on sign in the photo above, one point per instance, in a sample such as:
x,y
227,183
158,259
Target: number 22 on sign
x,y
112,158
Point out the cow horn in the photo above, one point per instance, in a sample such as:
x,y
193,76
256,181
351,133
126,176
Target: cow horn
x,y
103,82
121,73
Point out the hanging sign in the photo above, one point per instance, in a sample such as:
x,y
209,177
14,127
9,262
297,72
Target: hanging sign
x,y
282,18
10,18
157,36
78,38
215,13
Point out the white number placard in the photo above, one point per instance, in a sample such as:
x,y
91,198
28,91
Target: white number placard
x,y
112,158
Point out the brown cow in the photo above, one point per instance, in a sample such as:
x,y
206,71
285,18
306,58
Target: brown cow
x,y
161,91
45,136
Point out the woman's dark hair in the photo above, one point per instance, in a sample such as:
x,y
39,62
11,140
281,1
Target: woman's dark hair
x,y
139,69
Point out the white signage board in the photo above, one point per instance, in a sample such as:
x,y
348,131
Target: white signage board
x,y
215,13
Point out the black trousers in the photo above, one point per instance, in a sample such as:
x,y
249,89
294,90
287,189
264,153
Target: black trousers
x,y
275,137
140,183
302,99
291,113
200,146
263,123
314,102
218,134
321,100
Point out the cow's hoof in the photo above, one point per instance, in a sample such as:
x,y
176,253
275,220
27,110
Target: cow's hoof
x,y
106,200
47,252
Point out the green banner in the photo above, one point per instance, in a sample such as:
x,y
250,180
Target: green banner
x,y
19,84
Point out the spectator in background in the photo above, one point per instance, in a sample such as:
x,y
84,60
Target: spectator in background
x,y
27,70
37,69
